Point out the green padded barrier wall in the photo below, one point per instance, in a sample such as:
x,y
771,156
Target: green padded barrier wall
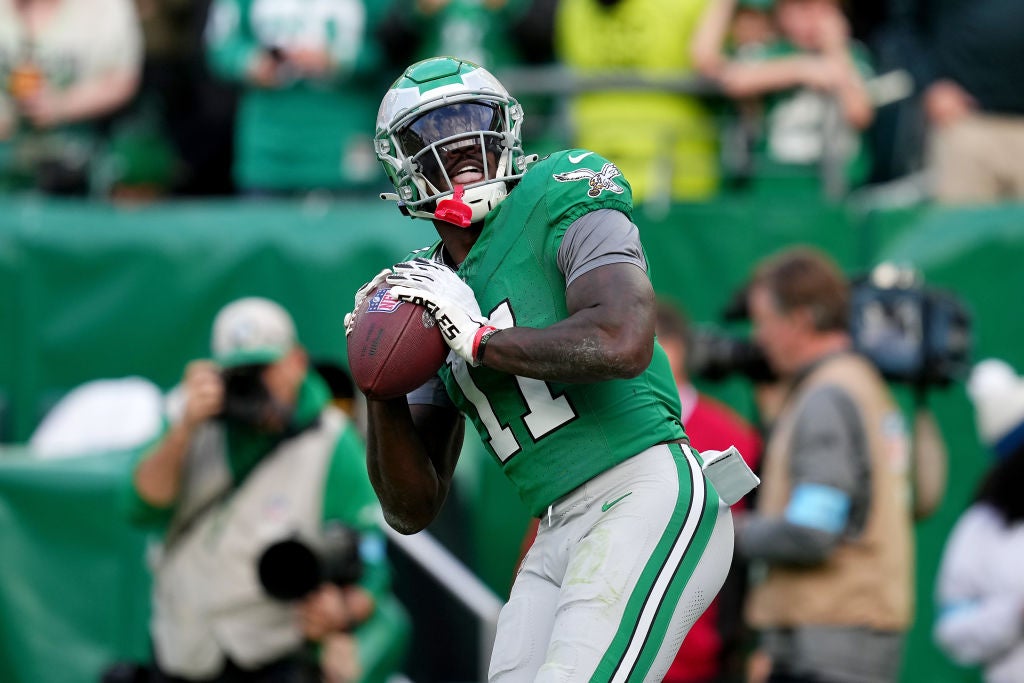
x,y
100,292
92,291
73,585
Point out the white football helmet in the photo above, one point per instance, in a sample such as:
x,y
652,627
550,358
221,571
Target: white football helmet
x,y
436,107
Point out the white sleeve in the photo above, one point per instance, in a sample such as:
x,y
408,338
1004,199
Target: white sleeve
x,y
975,625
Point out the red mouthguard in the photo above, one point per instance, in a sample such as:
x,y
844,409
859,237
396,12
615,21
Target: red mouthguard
x,y
454,210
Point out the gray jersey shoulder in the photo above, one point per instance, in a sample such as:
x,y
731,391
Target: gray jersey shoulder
x,y
599,238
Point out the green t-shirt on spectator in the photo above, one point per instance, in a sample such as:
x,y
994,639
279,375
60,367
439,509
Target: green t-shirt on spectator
x,y
791,138
306,133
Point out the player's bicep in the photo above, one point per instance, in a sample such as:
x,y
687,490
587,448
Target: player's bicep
x,y
605,271
621,291
611,314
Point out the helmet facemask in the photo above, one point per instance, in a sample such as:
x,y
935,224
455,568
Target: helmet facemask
x,y
460,136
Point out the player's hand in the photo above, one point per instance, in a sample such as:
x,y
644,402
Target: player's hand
x,y
363,292
450,300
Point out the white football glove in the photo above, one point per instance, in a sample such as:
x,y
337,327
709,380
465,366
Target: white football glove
x,y
361,294
449,300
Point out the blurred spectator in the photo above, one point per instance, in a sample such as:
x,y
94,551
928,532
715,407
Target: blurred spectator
x,y
485,32
974,102
255,462
497,34
711,650
311,82
737,29
177,136
664,142
832,530
732,28
898,131
980,586
812,102
142,163
63,66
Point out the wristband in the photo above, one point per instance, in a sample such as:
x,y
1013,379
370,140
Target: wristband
x,y
480,342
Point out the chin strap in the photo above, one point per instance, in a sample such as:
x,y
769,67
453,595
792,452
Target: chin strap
x,y
454,210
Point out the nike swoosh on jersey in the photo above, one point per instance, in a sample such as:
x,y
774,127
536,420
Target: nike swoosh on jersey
x,y
608,504
579,157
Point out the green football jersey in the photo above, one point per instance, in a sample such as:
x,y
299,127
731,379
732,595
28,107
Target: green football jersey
x,y
551,437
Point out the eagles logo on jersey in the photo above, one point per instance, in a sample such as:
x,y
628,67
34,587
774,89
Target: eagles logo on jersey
x,y
598,182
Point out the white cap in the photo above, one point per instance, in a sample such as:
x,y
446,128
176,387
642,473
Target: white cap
x,y
252,331
998,395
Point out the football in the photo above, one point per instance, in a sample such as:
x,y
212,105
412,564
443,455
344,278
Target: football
x,y
394,347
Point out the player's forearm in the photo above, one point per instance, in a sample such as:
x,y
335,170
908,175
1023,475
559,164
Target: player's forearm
x,y
568,352
408,485
609,333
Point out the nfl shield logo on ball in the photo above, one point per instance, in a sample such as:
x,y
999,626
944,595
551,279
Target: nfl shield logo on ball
x,y
383,302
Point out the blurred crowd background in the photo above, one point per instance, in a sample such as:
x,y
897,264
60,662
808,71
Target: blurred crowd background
x,y
146,99
159,158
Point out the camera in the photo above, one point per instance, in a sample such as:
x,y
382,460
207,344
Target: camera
x,y
913,334
290,569
245,395
715,355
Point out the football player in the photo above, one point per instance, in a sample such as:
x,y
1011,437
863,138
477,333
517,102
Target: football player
x,y
540,283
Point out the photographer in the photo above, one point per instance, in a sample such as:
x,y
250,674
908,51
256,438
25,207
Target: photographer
x,y
256,458
832,527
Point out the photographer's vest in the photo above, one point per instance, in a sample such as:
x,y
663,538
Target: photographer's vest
x,y
866,581
208,603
